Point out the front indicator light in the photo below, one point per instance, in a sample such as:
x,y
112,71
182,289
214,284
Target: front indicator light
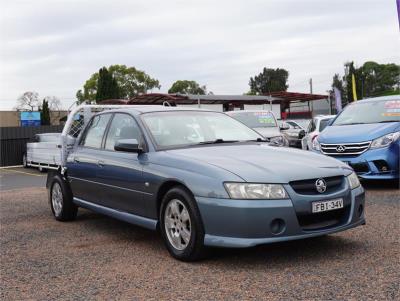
x,y
354,182
255,191
315,144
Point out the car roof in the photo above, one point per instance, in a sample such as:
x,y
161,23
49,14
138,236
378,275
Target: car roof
x,y
321,117
247,111
381,98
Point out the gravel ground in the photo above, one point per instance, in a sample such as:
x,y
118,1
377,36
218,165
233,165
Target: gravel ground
x,y
96,257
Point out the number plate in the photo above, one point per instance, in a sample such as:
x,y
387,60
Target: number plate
x,y
327,205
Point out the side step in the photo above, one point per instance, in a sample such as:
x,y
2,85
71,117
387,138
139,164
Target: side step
x,y
120,215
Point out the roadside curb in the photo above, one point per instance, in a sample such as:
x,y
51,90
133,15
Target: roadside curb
x,y
14,166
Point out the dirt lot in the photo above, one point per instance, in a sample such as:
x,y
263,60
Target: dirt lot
x,y
96,257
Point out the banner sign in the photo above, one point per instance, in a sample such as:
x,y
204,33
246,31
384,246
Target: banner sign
x,y
398,11
338,100
30,119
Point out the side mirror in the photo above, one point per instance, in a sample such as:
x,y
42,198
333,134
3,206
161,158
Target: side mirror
x,y
128,145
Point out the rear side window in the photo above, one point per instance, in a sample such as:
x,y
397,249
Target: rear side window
x,y
95,131
123,126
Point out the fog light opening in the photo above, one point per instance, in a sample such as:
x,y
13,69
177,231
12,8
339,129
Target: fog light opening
x,y
360,210
277,226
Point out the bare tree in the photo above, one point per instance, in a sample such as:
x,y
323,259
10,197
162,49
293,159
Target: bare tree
x,y
28,101
54,103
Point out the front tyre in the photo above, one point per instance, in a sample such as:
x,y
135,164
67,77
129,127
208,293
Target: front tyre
x,y
181,226
60,198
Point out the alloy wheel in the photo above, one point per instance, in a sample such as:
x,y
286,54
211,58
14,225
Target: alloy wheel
x,y
177,224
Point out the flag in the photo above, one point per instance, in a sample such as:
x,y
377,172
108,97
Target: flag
x,y
398,11
353,83
338,100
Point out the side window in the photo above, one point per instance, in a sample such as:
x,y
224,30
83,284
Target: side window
x,y
95,132
123,126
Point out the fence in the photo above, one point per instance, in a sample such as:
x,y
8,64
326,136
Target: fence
x,y
13,141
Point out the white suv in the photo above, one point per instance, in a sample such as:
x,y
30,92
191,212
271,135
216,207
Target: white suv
x,y
316,126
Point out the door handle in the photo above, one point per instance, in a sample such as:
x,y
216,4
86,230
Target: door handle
x,y
100,163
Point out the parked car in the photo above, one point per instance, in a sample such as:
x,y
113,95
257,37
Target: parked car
x,y
303,123
366,136
43,152
293,131
315,127
263,122
219,185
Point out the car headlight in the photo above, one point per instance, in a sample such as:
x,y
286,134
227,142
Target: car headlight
x,y
277,141
354,182
255,191
315,145
385,140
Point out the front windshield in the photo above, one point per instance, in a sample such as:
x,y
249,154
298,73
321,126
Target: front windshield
x,y
259,119
184,128
293,125
370,112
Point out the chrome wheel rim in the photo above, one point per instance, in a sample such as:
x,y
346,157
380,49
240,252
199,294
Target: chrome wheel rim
x,y
57,199
177,224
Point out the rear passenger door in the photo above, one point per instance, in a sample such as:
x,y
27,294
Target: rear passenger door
x,y
120,173
83,163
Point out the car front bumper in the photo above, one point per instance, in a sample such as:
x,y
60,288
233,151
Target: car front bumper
x,y
247,223
369,165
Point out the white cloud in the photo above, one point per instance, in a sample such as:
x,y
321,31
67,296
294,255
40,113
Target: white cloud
x,y
52,47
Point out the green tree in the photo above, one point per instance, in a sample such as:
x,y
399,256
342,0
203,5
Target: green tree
x,y
187,87
372,80
269,80
45,113
107,86
130,80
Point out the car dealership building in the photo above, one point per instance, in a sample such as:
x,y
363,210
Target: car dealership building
x,y
283,104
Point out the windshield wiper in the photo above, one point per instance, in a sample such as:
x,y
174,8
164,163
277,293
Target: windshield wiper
x,y
352,123
257,140
217,141
383,121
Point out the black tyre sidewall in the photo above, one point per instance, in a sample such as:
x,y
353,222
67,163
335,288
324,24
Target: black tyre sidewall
x,y
24,161
195,249
69,209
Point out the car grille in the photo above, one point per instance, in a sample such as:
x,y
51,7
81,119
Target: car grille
x,y
318,221
308,186
345,148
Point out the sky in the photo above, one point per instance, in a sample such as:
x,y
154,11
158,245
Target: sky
x,y
52,47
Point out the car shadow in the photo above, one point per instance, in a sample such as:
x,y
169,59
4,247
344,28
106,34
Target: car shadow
x,y
307,250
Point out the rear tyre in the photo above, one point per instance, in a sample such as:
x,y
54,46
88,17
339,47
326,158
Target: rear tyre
x,y
60,198
24,161
181,226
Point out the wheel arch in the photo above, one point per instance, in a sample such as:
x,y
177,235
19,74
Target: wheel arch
x,y
165,187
